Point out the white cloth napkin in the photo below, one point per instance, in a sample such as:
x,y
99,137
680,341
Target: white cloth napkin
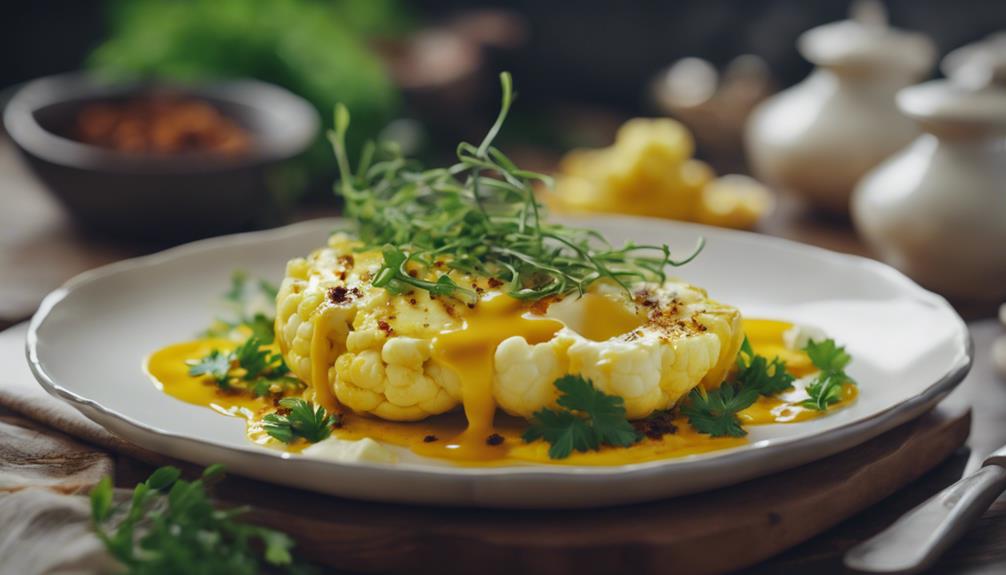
x,y
45,477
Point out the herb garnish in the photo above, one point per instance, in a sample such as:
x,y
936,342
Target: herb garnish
x,y
251,304
588,420
831,359
251,367
715,411
480,217
756,372
171,526
302,419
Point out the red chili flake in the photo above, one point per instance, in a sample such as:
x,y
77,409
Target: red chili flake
x,y
413,273
429,439
338,294
412,301
356,292
495,283
494,439
385,327
346,260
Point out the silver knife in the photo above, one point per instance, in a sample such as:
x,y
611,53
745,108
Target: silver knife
x,y
916,540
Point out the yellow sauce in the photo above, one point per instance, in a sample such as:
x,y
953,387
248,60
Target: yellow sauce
x,y
168,370
469,351
321,360
603,318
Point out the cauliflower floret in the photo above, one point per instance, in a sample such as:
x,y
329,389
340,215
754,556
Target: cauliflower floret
x,y
373,352
394,378
524,373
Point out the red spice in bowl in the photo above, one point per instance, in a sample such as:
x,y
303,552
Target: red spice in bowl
x,y
162,125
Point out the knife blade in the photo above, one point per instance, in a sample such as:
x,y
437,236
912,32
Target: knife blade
x,y
917,539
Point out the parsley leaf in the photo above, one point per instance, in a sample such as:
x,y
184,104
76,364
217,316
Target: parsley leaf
x,y
252,358
827,356
251,304
588,420
825,390
170,525
715,412
303,420
563,430
261,327
756,372
831,359
216,365
251,366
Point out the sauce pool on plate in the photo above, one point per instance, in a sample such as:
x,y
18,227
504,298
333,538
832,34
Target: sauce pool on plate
x,y
480,436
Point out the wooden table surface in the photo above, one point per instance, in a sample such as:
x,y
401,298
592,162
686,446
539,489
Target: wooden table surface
x,y
40,248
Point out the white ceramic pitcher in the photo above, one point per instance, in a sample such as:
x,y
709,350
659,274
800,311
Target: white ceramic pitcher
x,y
937,209
818,138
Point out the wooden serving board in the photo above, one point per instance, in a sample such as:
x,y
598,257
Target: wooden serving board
x,y
708,533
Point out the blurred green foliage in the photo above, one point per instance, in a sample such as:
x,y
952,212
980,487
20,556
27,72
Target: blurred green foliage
x,y
317,49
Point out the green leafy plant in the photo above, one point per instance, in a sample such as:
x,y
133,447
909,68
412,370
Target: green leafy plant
x,y
831,359
251,367
251,307
299,419
767,377
171,526
588,419
715,412
478,216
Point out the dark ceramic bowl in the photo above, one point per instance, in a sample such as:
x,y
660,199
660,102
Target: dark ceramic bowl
x,y
163,198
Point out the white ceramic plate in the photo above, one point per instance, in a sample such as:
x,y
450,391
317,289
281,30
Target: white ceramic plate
x,y
87,343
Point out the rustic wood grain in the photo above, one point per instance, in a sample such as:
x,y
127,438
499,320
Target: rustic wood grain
x,y
709,533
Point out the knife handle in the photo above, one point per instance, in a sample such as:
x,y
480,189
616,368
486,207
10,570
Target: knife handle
x,y
918,538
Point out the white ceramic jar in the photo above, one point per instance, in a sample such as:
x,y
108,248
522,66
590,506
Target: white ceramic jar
x,y
818,138
937,209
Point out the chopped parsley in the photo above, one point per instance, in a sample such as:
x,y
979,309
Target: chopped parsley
x,y
216,365
831,359
756,372
588,419
171,526
299,419
714,412
252,366
251,304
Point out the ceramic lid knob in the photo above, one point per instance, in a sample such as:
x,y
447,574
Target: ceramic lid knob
x,y
865,41
973,97
978,65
